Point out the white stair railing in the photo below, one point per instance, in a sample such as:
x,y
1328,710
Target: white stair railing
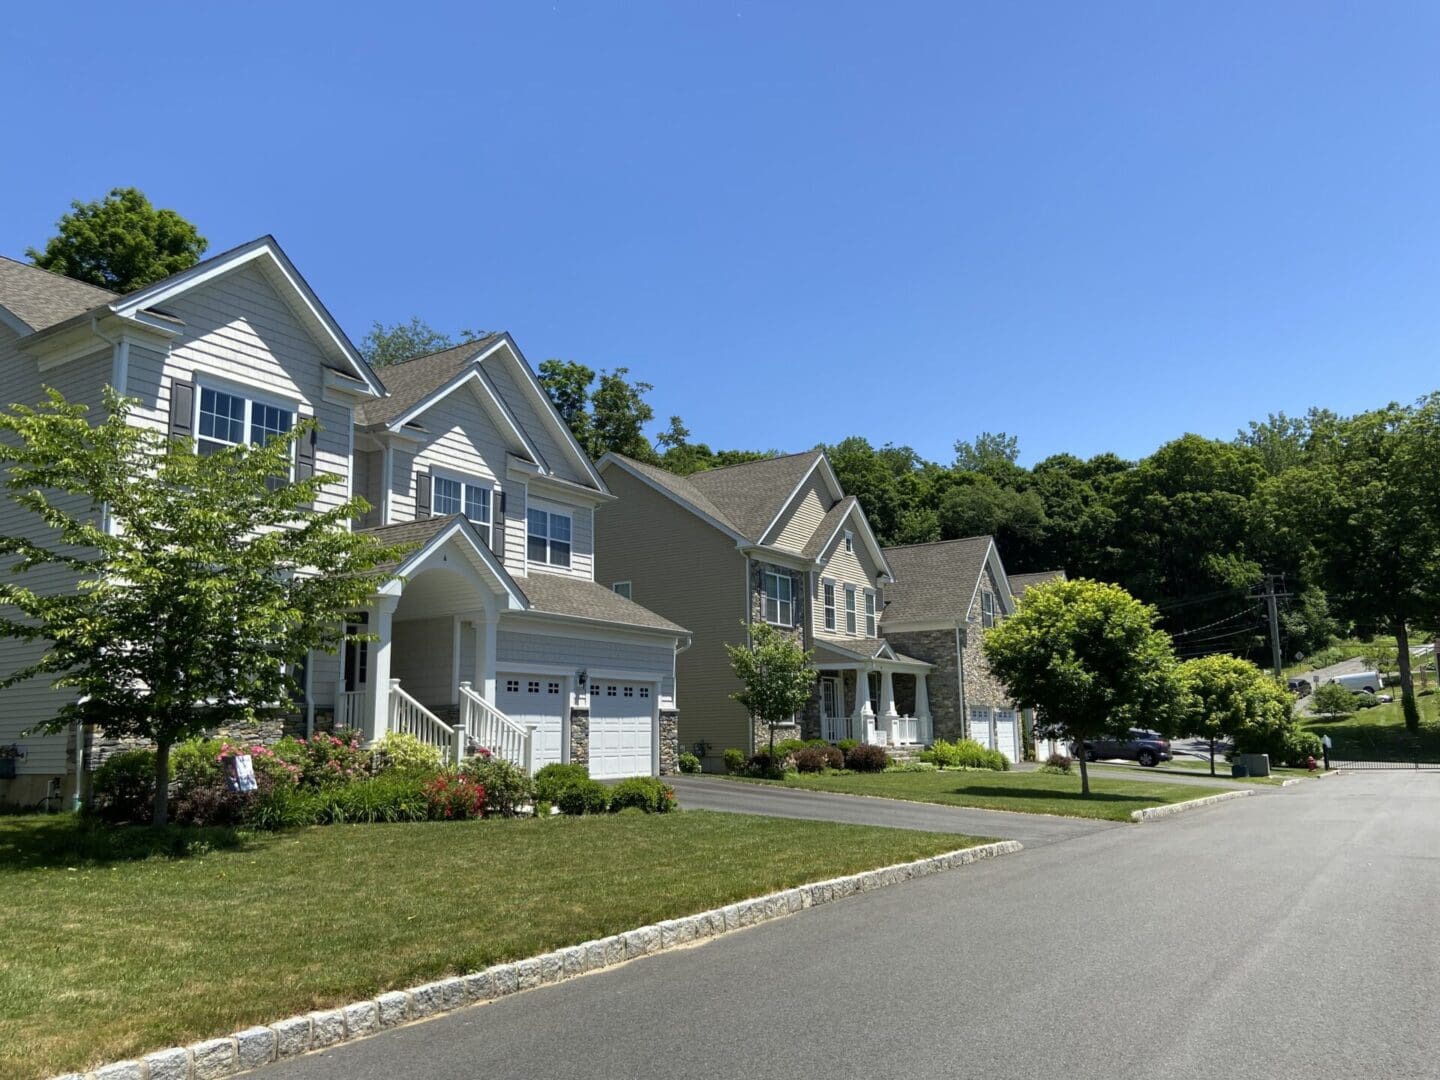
x,y
350,708
496,732
409,717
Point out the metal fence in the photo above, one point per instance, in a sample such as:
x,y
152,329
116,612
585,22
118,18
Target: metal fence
x,y
1414,756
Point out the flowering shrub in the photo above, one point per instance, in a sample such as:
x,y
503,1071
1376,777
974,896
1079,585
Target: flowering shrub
x,y
328,759
266,761
506,785
455,798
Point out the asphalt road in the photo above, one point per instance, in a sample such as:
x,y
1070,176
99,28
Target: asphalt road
x,y
1288,935
1032,830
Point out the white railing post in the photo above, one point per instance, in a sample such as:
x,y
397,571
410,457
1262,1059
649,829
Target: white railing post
x,y
527,750
457,745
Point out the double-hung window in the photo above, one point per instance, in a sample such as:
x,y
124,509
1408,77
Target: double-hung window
x,y
869,613
779,598
987,609
450,496
549,537
849,609
228,419
829,605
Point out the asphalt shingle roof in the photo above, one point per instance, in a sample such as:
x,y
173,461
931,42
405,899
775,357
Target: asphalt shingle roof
x,y
681,487
41,298
1020,582
408,534
751,494
934,581
815,546
412,381
864,646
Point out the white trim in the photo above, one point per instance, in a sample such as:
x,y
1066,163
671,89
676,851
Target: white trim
x,y
394,587
765,575
202,380
829,611
467,480
129,306
14,322
470,374
566,512
804,479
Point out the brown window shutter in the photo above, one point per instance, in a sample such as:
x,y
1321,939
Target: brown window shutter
x,y
497,526
182,409
305,455
422,493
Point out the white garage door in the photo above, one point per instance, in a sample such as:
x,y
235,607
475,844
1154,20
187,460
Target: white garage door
x,y
980,728
1007,734
534,699
621,728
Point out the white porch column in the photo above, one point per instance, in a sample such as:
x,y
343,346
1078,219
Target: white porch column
x,y
862,698
484,655
377,720
456,626
922,710
887,693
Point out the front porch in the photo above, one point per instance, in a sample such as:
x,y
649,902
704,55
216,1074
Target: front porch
x,y
859,701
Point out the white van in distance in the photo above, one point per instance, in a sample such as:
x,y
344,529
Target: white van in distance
x,y
1366,681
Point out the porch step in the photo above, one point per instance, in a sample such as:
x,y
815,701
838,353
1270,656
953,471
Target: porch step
x,y
904,753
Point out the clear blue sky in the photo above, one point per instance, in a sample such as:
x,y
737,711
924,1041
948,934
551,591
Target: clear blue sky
x,y
1094,225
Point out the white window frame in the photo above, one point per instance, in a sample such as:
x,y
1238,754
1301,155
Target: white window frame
x,y
849,540
850,621
623,588
828,597
251,396
870,613
466,484
784,608
987,609
548,539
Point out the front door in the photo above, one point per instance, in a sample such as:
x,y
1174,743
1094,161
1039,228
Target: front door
x,y
350,708
833,722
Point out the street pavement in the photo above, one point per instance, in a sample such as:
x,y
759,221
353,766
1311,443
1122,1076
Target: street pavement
x,y
731,796
1287,935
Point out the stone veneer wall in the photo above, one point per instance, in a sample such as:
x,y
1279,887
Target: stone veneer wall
x,y
936,647
760,731
669,742
580,736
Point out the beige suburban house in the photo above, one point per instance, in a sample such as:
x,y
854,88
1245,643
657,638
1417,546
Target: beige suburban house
x,y
775,540
492,631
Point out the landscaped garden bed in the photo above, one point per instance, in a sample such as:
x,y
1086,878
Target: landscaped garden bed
x,y
1026,792
125,940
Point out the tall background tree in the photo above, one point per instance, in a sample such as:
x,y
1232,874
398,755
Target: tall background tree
x,y
196,607
1087,657
394,343
120,242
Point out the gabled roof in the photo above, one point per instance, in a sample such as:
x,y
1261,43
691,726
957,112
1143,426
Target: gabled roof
x,y
425,535
829,525
41,298
414,380
581,598
1021,582
935,581
678,488
751,495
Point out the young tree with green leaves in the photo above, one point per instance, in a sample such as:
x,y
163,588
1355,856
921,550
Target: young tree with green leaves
x,y
120,242
1229,695
1332,702
775,675
201,581
1086,656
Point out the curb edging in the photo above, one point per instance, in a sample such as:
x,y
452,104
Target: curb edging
x,y
1190,804
212,1059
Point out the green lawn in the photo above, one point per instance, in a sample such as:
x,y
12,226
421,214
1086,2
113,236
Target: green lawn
x,y
109,953
1026,792
1191,766
1380,734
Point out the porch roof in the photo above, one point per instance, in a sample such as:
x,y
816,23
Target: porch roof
x,y
581,598
845,652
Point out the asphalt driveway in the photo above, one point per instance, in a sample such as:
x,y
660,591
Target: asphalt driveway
x,y
1032,830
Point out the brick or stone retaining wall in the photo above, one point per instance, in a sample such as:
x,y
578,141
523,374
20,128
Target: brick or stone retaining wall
x,y
256,1046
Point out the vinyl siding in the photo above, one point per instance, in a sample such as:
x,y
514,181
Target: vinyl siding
x,y
239,331
692,574
35,700
369,479
515,649
421,654
847,568
500,367
582,539
802,517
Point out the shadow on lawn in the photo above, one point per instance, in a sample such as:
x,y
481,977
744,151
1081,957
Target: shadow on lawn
x,y
32,842
1048,795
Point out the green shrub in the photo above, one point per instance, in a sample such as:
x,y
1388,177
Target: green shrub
x,y
195,763
734,761
865,758
406,753
124,787
965,754
1301,745
767,766
507,788
815,759
390,797
553,779
689,763
328,760
846,745
584,797
912,766
1060,764
453,797
644,793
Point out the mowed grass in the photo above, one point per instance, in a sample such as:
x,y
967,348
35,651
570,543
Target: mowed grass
x,y
1192,767
109,954
1380,734
1025,792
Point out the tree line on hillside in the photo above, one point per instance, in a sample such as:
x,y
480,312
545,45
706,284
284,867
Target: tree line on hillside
x,y
1344,512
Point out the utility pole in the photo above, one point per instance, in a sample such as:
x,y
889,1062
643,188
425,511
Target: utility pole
x,y
1273,610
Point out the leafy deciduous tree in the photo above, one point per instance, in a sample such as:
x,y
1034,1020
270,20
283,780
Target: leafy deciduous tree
x,y
199,581
121,242
775,675
1229,695
394,344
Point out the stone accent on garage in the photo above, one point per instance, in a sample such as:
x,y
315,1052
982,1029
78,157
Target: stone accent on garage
x,y
580,736
935,647
669,742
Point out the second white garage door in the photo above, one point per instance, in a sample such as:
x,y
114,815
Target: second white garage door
x,y
534,699
622,736
1007,734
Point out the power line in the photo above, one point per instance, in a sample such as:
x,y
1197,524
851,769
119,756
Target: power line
x,y
1218,622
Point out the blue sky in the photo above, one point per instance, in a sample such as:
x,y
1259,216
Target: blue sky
x,y
1094,226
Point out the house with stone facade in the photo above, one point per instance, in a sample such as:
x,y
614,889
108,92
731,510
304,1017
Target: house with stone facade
x,y
491,632
778,541
944,597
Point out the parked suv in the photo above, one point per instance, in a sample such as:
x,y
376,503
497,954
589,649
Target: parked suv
x,y
1299,687
1146,747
